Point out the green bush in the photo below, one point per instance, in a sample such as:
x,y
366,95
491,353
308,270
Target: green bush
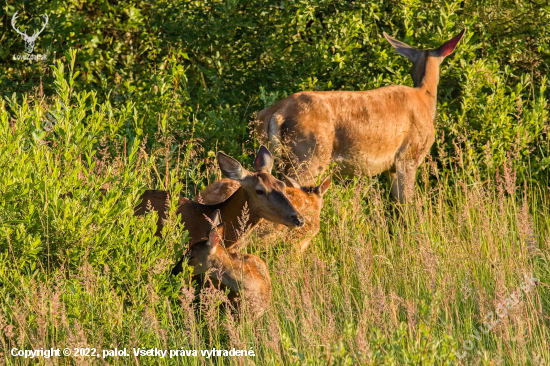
x,y
54,210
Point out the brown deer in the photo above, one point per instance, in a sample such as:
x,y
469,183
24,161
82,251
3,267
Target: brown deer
x,y
389,129
260,193
246,276
307,200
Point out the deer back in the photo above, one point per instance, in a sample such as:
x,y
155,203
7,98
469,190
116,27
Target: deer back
x,y
364,132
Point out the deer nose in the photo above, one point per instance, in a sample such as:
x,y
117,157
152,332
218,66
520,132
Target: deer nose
x,y
298,220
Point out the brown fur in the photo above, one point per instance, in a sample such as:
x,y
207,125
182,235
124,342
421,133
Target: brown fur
x,y
307,200
246,276
389,129
271,205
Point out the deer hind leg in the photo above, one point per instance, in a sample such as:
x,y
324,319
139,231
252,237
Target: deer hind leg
x,y
307,159
306,172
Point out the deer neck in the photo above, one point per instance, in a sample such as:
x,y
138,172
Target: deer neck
x,y
428,83
233,209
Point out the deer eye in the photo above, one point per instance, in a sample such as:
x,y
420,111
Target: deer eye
x,y
259,192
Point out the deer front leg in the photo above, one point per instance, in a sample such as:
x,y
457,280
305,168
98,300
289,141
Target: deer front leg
x,y
402,180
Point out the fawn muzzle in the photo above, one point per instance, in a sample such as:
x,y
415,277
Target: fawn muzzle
x,y
298,220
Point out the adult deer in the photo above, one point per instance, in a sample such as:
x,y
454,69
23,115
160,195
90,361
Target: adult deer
x,y
260,192
389,129
307,200
246,276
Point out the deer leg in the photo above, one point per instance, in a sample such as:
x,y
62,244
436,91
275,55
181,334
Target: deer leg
x,y
403,172
304,242
306,155
402,181
310,166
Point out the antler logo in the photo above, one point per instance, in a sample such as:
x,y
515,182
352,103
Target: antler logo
x,y
29,41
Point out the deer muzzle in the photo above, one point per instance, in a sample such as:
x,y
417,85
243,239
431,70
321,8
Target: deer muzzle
x,y
298,220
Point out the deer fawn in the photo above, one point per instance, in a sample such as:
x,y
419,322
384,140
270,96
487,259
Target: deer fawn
x,y
260,192
389,129
246,276
307,200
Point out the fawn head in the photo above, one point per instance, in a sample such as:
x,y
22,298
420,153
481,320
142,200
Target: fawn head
x,y
200,254
307,199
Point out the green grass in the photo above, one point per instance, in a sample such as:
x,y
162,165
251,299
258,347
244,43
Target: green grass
x,y
374,288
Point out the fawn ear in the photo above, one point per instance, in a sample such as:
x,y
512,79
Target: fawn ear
x,y
216,235
322,188
264,160
230,167
403,49
291,182
449,46
215,220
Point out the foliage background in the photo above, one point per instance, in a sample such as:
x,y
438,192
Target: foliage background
x,y
202,68
155,88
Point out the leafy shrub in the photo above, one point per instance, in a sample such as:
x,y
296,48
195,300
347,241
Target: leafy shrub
x,y
55,210
196,71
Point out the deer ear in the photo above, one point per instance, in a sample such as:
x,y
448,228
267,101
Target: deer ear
x,y
322,188
403,49
448,47
216,235
291,182
215,220
230,167
264,160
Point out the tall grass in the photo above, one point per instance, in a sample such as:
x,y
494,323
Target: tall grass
x,y
381,283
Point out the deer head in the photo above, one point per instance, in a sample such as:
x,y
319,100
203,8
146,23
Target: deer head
x,y
202,254
265,194
420,58
29,41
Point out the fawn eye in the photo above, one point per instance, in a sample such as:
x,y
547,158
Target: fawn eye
x,y
259,192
